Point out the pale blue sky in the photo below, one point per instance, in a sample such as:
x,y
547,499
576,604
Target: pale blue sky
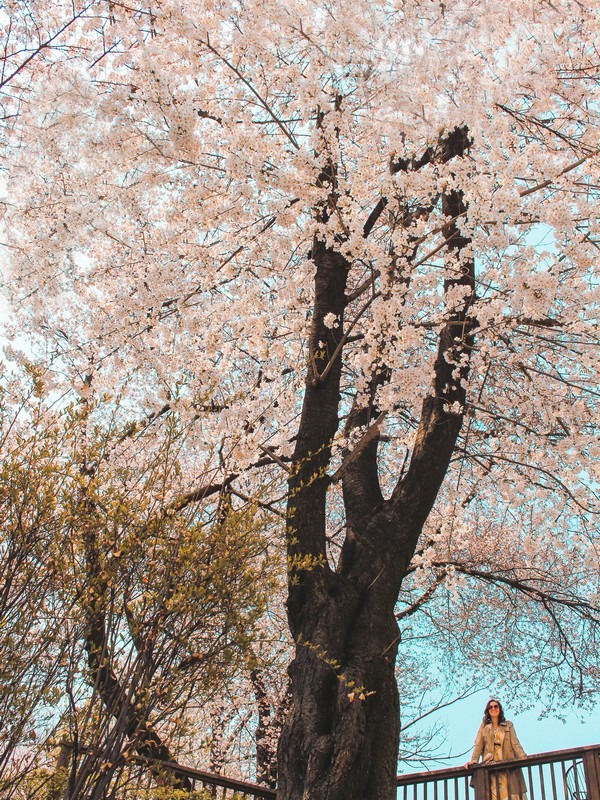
x,y
462,719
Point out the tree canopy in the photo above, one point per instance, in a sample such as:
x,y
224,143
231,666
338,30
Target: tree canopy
x,y
350,250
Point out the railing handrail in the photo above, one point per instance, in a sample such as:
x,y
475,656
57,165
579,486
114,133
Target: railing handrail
x,y
550,757
213,778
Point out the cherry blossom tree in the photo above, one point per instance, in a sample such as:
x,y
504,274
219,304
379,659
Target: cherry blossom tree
x,y
353,246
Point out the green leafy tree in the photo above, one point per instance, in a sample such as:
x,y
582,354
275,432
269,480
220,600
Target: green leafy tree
x,y
123,607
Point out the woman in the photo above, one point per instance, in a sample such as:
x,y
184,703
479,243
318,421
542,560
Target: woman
x,y
496,740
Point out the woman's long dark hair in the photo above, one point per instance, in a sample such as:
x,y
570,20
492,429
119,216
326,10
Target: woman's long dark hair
x,y
486,714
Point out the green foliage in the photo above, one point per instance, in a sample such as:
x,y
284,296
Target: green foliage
x,y
113,574
167,793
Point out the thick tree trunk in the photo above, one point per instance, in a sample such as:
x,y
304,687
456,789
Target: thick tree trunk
x,y
340,737
340,741
267,727
347,750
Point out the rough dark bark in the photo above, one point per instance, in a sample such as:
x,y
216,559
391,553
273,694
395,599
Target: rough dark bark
x,y
268,725
132,726
340,737
131,729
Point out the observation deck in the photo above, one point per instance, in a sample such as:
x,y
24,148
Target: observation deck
x,y
572,774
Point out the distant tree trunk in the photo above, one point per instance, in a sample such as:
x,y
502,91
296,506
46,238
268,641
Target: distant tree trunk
x,y
58,783
266,732
340,738
132,726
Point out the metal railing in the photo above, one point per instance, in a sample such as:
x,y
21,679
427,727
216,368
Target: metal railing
x,y
559,775
217,786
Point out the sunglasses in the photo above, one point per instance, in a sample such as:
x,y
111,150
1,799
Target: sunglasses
x,y
493,705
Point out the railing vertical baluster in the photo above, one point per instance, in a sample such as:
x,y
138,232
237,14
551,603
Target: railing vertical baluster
x,y
553,780
530,782
542,786
564,780
578,788
591,770
571,768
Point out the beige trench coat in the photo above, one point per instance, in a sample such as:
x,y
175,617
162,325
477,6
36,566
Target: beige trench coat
x,y
510,749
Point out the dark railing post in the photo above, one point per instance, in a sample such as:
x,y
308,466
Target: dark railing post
x,y
481,783
591,768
